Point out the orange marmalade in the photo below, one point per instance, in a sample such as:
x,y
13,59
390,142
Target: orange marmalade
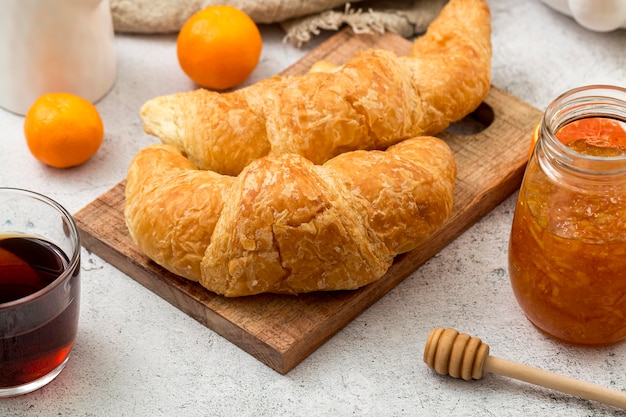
x,y
567,249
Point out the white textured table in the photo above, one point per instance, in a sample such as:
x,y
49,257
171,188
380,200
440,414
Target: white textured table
x,y
136,355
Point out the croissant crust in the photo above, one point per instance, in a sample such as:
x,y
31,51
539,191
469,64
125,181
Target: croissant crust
x,y
312,182
373,101
286,225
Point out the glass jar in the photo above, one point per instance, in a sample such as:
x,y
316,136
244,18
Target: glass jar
x,y
567,249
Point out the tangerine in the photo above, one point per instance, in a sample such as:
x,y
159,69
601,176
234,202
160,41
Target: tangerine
x,y
219,47
63,130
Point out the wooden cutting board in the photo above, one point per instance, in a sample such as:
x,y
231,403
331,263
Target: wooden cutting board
x,y
282,330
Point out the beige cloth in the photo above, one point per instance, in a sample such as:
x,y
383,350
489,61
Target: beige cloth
x,y
166,16
406,18
301,19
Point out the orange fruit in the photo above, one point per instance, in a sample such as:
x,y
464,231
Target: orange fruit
x,y
534,138
219,47
63,130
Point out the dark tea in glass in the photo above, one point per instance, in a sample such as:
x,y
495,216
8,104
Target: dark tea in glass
x,y
39,290
27,266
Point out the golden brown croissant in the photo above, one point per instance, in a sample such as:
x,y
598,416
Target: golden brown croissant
x,y
286,225
374,100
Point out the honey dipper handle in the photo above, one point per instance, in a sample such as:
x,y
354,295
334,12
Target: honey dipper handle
x,y
553,381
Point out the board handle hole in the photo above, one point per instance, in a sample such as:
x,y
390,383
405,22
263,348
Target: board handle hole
x,y
474,123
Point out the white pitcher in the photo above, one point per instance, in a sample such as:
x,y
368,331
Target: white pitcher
x,y
55,46
596,15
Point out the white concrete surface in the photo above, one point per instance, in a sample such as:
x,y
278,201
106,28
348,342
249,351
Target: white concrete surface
x,y
136,355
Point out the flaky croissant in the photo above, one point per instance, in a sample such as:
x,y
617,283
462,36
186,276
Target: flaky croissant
x,y
374,100
284,224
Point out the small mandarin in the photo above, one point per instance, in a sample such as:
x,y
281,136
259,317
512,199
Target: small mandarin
x,y
219,47
534,138
63,130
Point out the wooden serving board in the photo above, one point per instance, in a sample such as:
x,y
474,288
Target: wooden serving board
x,y
282,330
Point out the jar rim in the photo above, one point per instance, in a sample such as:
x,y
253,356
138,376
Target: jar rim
x,y
592,101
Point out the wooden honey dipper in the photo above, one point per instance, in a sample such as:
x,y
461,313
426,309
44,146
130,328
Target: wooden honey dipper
x,y
459,355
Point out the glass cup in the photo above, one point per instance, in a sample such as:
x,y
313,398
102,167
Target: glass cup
x,y
39,290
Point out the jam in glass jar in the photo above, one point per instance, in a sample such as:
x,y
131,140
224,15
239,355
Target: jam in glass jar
x,y
567,249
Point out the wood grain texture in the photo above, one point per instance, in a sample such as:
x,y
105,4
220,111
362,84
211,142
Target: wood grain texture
x,y
282,330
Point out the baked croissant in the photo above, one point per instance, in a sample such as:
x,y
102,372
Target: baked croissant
x,y
284,224
373,101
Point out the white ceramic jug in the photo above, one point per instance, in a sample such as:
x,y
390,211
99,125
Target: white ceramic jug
x,y
55,46
596,15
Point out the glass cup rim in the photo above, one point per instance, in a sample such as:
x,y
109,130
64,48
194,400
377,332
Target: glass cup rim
x,y
75,256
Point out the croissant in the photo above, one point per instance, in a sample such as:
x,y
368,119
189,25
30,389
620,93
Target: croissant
x,y
284,224
373,101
